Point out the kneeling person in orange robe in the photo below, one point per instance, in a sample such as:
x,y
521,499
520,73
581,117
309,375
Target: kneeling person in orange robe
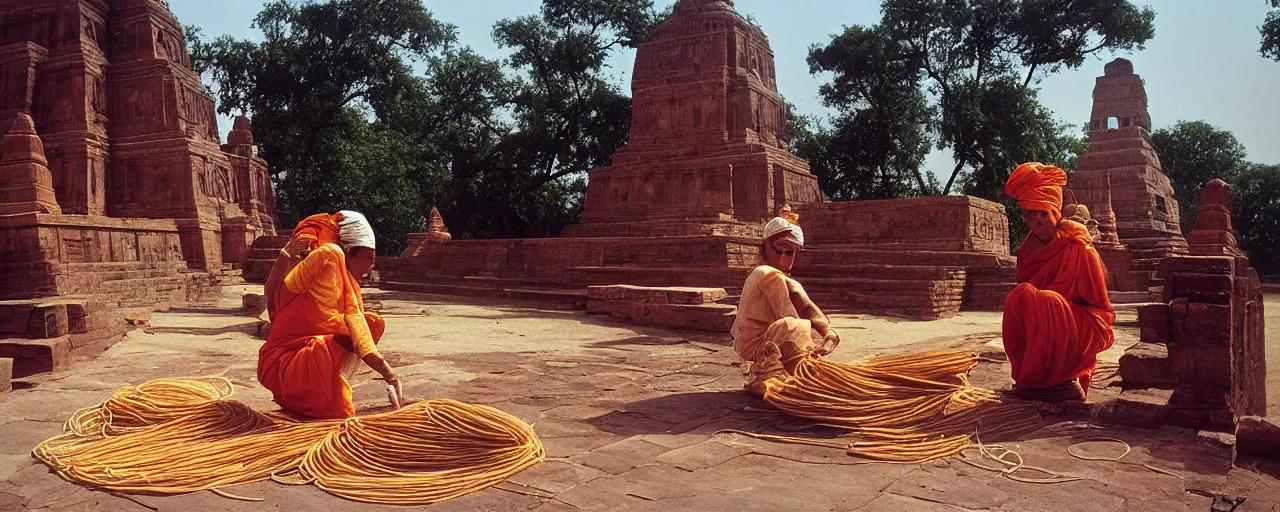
x,y
777,325
1059,316
320,331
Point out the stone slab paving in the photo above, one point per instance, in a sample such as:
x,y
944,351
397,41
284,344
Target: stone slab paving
x,y
631,418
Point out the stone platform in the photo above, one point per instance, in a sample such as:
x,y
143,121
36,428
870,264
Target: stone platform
x,y
561,269
116,195
919,258
678,308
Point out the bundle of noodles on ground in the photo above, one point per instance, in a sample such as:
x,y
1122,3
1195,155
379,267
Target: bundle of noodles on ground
x,y
174,436
903,408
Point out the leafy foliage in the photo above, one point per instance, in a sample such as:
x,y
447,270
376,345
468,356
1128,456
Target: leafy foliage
x,y
1191,154
1270,30
1256,215
959,75
366,104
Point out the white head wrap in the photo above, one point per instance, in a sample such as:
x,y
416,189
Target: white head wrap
x,y
779,225
354,230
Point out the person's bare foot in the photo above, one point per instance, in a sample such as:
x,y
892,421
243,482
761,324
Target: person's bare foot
x,y
1069,391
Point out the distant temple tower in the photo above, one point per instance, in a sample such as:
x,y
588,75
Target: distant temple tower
x,y
1122,168
127,127
708,147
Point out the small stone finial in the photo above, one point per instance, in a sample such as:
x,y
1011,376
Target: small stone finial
x,y
21,144
1118,67
26,185
241,133
1213,233
436,230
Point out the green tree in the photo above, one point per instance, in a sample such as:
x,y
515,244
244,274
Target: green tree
x,y
322,71
1256,215
1270,30
976,62
568,118
1191,154
878,142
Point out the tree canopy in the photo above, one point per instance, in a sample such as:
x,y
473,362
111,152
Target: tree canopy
x,y
1194,152
1191,154
960,76
369,105
1270,30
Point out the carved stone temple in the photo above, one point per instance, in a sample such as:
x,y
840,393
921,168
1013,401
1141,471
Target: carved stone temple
x,y
1121,181
115,191
684,202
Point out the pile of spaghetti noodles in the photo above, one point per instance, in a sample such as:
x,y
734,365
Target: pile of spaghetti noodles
x,y
174,436
908,408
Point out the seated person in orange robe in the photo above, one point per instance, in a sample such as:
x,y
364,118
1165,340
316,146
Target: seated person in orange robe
x,y
320,331
1059,316
777,325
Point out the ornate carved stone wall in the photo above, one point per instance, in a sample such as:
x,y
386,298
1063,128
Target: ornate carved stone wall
x,y
707,147
127,127
114,190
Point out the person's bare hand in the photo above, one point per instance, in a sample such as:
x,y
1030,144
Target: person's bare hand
x,y
395,392
296,247
829,343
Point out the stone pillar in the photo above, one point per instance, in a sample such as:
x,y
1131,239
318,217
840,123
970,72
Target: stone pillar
x,y
26,185
1210,325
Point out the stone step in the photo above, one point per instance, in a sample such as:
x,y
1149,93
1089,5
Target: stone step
x,y
1146,365
1137,408
859,255
565,298
714,277
655,295
1129,297
877,271
31,357
698,317
6,374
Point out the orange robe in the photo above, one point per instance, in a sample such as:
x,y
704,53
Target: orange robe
x,y
302,362
1059,317
767,316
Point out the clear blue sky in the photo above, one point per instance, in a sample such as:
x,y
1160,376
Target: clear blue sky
x,y
1202,65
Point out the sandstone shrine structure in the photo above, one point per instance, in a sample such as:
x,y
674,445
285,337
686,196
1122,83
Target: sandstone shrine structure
x,y
1201,362
684,203
1121,181
114,190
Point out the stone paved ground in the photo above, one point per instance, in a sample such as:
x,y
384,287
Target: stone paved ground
x,y
629,417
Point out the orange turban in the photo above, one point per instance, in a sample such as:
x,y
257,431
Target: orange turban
x,y
1037,186
321,228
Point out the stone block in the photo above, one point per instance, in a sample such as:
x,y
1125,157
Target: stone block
x,y
31,357
655,295
1138,408
1154,323
1199,365
1146,365
1199,324
6,374
1203,288
1258,437
703,317
1183,264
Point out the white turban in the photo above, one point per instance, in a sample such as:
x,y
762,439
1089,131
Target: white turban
x,y
354,230
779,225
